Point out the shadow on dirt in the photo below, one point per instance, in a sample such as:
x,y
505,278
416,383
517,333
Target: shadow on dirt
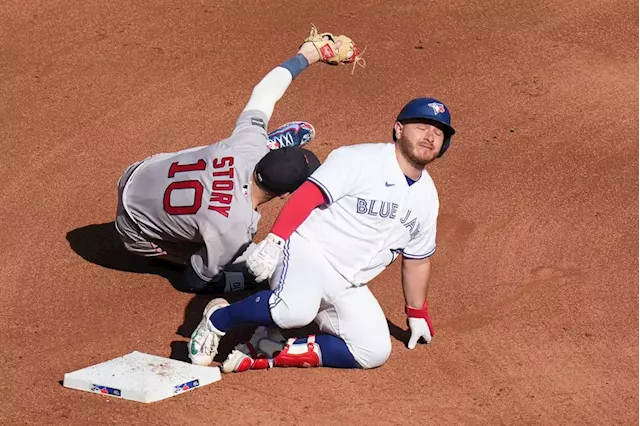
x,y
100,244
398,333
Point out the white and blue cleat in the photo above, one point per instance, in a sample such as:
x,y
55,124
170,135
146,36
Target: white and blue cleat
x,y
296,133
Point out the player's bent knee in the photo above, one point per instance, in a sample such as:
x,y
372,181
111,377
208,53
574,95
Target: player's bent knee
x,y
373,355
286,316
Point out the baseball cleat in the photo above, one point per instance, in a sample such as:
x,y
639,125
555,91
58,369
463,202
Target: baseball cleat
x,y
257,353
296,133
204,342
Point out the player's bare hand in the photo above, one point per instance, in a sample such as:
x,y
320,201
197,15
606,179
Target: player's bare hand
x,y
263,260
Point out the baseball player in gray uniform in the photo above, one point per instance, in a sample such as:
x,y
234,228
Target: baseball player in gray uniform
x,y
199,206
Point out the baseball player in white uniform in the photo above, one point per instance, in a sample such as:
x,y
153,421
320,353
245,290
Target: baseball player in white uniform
x,y
360,210
199,206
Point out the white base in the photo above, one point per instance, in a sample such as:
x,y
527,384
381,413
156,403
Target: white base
x,y
141,377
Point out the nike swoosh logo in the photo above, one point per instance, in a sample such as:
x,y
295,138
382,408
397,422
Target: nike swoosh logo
x,y
389,184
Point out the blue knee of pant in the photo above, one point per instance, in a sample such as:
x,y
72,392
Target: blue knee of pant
x,y
335,352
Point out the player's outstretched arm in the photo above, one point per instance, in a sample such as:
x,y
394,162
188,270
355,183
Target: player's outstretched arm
x,y
415,281
272,87
317,47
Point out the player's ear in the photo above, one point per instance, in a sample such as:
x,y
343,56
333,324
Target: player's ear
x,y
397,128
285,195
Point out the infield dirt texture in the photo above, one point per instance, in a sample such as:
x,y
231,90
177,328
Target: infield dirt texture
x,y
534,295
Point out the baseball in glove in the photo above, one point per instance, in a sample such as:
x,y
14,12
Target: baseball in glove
x,y
335,50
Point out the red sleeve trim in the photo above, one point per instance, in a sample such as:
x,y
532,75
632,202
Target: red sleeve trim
x,y
306,198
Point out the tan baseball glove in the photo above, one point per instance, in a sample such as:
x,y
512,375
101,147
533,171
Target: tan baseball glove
x,y
335,50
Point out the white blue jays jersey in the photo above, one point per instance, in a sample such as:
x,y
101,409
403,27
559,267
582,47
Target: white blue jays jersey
x,y
373,214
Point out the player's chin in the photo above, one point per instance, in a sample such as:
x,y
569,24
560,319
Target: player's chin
x,y
427,155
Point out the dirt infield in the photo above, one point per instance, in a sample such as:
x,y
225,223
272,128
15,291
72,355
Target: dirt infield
x,y
534,296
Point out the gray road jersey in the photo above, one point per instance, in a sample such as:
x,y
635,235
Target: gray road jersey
x,y
202,195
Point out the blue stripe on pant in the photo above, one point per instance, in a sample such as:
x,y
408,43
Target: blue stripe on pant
x,y
283,276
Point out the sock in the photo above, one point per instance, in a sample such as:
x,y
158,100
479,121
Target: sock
x,y
335,352
253,309
296,64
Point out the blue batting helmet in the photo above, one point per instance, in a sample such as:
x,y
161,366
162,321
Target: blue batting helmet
x,y
428,109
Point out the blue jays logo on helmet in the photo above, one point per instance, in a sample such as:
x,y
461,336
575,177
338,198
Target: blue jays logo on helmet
x,y
437,107
429,109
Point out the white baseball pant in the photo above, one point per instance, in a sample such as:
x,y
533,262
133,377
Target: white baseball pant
x,y
307,288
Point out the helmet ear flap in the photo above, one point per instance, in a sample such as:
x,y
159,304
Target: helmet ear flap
x,y
445,146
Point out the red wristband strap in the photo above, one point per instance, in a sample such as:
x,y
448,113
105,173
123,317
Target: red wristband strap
x,y
417,313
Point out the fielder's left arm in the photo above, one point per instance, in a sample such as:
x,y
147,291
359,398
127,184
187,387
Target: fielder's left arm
x,y
265,95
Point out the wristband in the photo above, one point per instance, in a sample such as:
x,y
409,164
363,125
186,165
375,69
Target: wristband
x,y
417,313
296,64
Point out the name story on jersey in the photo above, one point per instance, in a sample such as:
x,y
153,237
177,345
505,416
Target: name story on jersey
x,y
222,186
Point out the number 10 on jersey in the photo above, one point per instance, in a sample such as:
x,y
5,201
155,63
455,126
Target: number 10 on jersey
x,y
184,184
221,188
